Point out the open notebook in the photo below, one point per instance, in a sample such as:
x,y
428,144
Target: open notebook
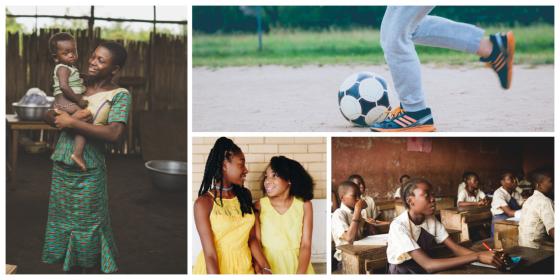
x,y
378,239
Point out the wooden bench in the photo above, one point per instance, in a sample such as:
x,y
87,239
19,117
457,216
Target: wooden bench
x,y
506,234
386,209
463,218
354,257
361,259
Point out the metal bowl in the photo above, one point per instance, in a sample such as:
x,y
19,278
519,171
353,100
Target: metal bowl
x,y
168,175
30,112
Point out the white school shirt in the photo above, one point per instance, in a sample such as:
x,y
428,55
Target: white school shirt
x,y
461,187
465,197
341,219
501,198
404,234
371,212
398,193
537,218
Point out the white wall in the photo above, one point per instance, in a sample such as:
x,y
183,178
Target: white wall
x,y
319,249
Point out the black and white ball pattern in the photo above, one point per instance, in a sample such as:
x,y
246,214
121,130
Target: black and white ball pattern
x,y
363,99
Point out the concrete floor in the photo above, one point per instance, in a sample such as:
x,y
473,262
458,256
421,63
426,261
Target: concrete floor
x,y
150,227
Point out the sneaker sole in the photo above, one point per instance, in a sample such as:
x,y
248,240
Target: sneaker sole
x,y
510,52
420,128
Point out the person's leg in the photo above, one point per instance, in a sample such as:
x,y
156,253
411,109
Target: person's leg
x,y
77,155
440,32
497,49
397,28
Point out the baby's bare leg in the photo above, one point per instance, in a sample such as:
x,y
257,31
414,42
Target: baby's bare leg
x,y
79,144
63,104
78,154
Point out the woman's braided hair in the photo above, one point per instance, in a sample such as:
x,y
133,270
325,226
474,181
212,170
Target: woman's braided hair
x,y
224,149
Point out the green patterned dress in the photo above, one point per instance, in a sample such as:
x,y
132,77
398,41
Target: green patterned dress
x,y
78,231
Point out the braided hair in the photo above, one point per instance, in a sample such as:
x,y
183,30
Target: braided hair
x,y
224,149
409,187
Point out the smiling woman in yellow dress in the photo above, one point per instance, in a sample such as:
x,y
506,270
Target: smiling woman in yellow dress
x,y
286,217
224,216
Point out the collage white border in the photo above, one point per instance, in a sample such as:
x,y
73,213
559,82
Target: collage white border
x,y
190,228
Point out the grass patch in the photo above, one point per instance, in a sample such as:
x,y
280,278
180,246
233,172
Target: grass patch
x,y
535,45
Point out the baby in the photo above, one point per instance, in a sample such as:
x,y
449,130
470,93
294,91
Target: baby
x,y
68,86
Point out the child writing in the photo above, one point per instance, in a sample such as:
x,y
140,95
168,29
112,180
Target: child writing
x,y
68,86
224,216
537,218
471,195
286,217
414,234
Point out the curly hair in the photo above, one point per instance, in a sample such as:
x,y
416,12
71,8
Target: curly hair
x,y
302,183
59,37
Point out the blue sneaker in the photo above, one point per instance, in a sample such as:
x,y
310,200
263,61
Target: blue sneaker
x,y
501,58
401,121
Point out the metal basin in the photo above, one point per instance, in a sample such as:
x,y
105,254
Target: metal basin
x,y
168,175
30,112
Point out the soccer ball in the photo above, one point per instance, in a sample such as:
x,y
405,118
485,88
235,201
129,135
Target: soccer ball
x,y
363,99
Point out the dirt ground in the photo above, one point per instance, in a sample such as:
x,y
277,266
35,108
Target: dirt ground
x,y
150,227
280,99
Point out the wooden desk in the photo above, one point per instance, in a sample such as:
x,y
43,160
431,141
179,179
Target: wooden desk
x,y
354,257
533,261
360,259
506,234
444,202
386,209
461,218
15,125
11,269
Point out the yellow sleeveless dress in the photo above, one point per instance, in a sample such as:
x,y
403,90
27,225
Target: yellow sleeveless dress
x,y
281,236
231,238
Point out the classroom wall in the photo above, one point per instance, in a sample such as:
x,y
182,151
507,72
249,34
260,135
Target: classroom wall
x,y
381,161
309,151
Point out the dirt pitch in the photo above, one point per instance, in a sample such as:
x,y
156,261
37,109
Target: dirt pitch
x,y
303,99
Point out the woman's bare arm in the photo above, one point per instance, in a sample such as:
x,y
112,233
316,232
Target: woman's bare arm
x,y
112,132
457,249
256,249
306,237
202,208
466,256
